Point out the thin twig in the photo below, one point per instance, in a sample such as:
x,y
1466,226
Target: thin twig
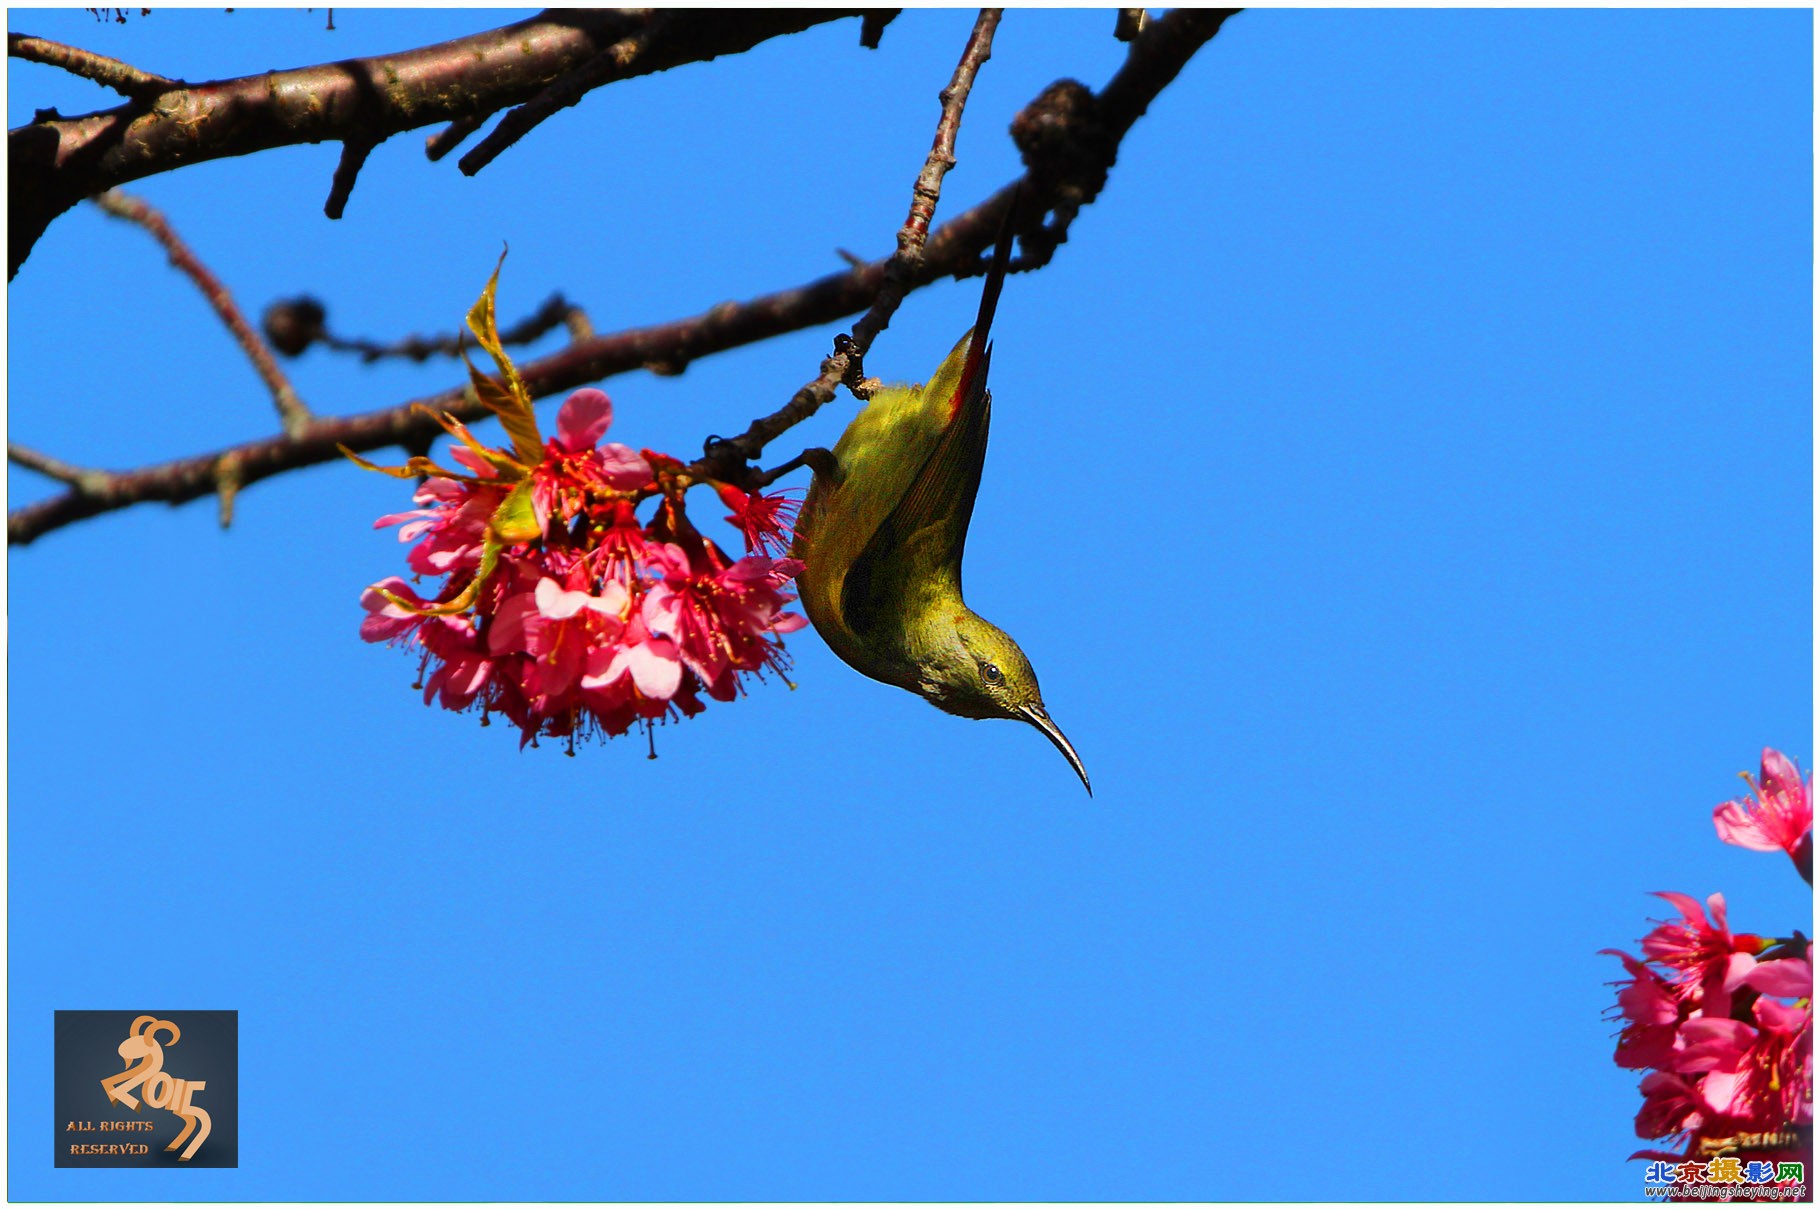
x,y
452,136
954,248
78,477
556,312
123,78
291,411
614,63
904,267
354,153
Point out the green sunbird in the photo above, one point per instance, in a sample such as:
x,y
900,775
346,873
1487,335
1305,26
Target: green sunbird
x,y
881,535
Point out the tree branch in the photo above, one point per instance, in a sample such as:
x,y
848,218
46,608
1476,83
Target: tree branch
x,y
726,460
123,78
291,412
55,161
78,477
293,325
952,249
614,63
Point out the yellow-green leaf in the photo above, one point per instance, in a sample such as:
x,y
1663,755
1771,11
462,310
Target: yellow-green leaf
x,y
511,403
509,469
489,559
515,520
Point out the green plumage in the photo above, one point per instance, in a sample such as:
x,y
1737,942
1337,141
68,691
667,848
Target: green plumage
x,y
882,542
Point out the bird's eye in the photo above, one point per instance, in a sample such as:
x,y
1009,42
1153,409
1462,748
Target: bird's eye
x,y
992,674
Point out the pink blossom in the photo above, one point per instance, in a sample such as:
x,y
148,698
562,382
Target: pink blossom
x,y
1762,1078
762,520
1653,1015
385,619
1671,1107
1727,1038
1779,816
453,528
466,666
1704,956
598,621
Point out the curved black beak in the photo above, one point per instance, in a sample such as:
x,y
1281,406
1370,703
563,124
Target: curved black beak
x,y
1039,718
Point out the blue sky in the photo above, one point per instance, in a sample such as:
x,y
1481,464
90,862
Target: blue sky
x,y
1401,482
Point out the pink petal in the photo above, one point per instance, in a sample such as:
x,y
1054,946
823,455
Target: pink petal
x,y
384,620
1782,977
474,462
660,609
395,518
446,491
623,467
1723,1092
655,669
1779,774
554,603
1737,971
1715,903
1714,1043
1688,905
583,419
463,681
509,630
784,623
1736,825
1783,1018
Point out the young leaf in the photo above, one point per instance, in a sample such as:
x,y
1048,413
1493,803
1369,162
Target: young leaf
x,y
512,402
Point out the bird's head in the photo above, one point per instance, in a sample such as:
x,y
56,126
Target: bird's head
x,y
982,673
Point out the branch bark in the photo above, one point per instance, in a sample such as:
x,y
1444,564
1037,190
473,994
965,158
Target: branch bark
x,y
55,161
1067,168
123,78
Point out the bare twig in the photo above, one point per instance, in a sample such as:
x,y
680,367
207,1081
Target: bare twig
x,y
614,63
78,477
453,135
1130,24
295,324
291,411
845,364
123,78
954,248
354,153
55,162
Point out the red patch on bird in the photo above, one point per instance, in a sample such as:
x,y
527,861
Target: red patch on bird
x,y
962,391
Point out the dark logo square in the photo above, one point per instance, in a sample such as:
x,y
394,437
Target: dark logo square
x,y
147,1089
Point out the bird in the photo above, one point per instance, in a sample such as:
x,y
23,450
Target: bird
x,y
882,530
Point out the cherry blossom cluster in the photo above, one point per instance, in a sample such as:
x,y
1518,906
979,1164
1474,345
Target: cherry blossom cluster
x,y
1722,1022
554,604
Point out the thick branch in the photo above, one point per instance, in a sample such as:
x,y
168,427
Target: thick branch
x,y
56,162
952,249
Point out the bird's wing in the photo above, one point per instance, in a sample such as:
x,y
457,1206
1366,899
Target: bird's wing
x,y
927,528
917,548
